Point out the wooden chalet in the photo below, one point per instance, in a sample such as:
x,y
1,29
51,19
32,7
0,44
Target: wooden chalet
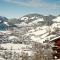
x,y
56,47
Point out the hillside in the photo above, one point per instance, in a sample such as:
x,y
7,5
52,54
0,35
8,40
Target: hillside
x,y
28,37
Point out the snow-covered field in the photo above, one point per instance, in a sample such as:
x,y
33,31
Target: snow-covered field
x,y
14,46
18,48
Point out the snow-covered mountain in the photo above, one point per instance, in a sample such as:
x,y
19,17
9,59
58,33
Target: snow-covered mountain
x,y
42,27
3,21
57,19
31,35
34,20
35,27
2,18
30,19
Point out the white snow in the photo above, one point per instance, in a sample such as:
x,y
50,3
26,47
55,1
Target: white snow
x,y
6,32
21,24
57,19
39,34
32,17
12,37
14,46
30,53
24,18
55,25
18,48
32,30
30,23
44,35
38,38
38,20
6,23
35,38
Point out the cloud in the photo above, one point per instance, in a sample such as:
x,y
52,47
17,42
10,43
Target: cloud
x,y
50,4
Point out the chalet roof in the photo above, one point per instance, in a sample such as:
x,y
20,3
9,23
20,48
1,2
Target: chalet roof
x,y
55,38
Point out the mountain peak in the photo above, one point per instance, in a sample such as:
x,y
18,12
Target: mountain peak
x,y
2,19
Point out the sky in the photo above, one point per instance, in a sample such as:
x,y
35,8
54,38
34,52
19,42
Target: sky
x,y
18,8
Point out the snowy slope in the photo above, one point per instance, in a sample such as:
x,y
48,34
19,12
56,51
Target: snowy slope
x,y
57,19
35,26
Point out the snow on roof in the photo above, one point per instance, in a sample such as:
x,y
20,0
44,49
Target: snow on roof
x,y
55,38
49,37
